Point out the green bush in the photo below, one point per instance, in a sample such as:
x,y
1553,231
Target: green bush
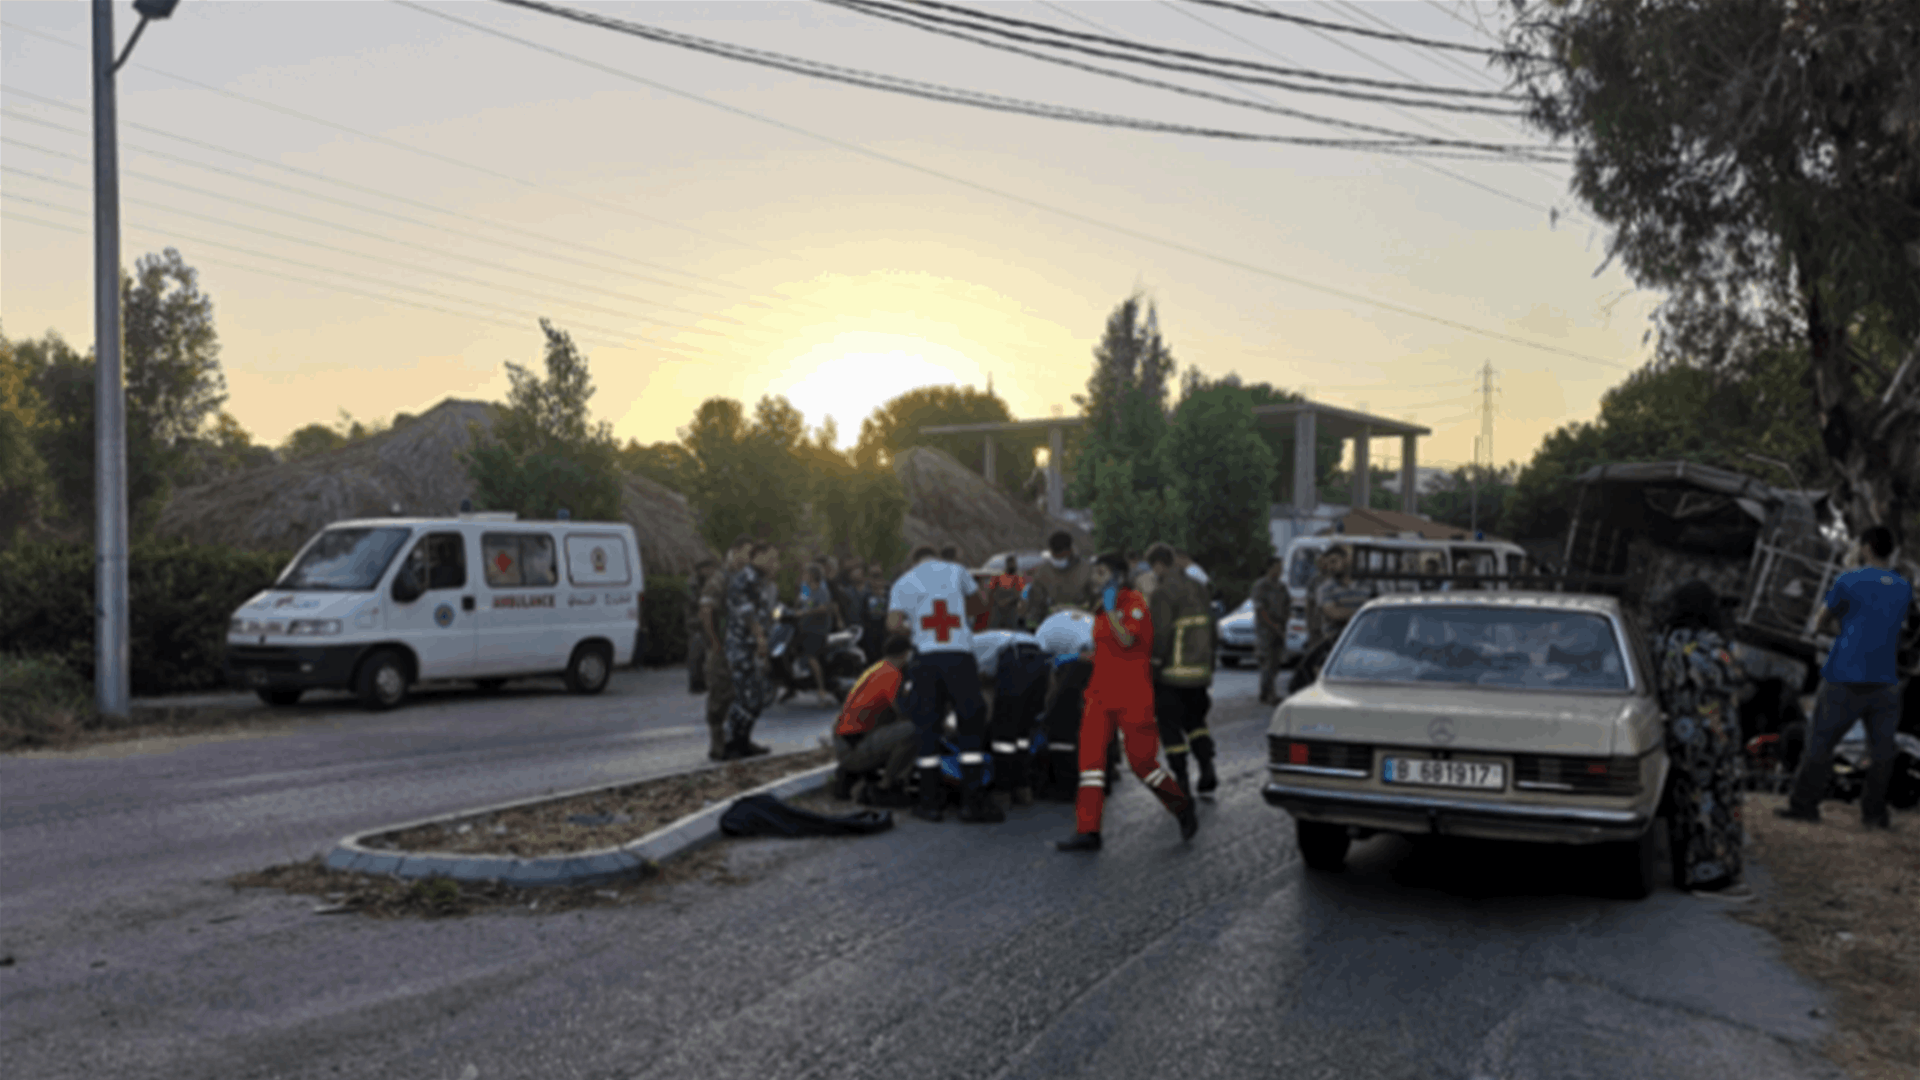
x,y
663,618
40,701
180,598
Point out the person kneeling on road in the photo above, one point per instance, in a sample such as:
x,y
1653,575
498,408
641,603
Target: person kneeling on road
x,y
1120,696
1014,665
871,737
1067,637
934,602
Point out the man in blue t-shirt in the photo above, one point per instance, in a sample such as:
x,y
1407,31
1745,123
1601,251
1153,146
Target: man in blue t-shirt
x,y
1860,681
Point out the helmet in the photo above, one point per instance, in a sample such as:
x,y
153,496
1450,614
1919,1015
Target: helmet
x,y
1066,633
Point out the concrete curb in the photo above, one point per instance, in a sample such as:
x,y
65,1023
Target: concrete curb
x,y
573,868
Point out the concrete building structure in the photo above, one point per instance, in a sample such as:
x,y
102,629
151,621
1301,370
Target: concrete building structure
x,y
1305,420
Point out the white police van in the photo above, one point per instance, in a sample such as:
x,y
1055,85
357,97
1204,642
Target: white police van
x,y
378,605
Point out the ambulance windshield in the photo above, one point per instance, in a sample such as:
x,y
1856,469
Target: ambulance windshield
x,y
344,560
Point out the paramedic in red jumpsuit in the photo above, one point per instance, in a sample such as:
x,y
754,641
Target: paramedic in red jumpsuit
x,y
1120,696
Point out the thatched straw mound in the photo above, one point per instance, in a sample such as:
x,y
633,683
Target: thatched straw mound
x,y
413,470
951,504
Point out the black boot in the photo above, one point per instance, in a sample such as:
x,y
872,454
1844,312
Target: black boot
x,y
843,785
1209,783
976,808
1086,841
933,795
1177,765
1189,821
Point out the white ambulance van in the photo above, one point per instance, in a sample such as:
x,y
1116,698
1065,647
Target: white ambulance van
x,y
377,606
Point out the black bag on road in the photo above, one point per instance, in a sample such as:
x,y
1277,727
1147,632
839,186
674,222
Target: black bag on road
x,y
764,815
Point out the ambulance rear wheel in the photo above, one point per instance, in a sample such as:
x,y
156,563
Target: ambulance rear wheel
x,y
590,668
382,682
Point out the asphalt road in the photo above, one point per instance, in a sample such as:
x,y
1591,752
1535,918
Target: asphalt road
x,y
931,952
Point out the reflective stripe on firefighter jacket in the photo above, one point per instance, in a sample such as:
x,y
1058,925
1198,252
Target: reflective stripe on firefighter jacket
x,y
1183,650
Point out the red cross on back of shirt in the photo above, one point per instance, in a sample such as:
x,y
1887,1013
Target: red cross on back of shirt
x,y
942,622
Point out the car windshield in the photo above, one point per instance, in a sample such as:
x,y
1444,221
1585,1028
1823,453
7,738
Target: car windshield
x,y
344,560
1483,646
1300,574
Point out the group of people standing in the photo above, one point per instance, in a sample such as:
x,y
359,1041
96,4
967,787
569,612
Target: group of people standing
x,y
730,621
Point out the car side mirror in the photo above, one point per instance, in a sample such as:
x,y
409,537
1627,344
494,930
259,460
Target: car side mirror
x,y
406,586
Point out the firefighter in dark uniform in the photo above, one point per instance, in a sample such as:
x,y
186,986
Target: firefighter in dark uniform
x,y
1182,668
713,622
1016,667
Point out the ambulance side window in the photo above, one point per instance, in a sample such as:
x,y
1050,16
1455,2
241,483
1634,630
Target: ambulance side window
x,y
440,561
518,559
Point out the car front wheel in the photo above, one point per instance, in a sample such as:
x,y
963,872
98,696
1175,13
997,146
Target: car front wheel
x,y
1323,846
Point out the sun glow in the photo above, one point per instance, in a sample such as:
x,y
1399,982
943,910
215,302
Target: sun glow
x,y
854,373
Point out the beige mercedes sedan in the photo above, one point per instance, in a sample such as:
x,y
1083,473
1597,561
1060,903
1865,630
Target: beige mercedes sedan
x,y
1497,715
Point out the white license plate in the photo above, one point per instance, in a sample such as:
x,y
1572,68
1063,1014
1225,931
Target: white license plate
x,y
1477,775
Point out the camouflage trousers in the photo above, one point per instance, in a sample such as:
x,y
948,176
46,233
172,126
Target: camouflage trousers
x,y
751,689
719,699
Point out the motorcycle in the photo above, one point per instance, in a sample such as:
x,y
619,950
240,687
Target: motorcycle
x,y
841,661
1772,759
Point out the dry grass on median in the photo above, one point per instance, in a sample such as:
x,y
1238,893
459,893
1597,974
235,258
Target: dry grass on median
x,y
599,820
541,829
1845,907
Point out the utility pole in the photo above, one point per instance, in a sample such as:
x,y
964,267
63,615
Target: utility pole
x,y
1473,484
112,677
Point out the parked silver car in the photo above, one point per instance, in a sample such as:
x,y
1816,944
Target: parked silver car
x,y
1504,716
1236,639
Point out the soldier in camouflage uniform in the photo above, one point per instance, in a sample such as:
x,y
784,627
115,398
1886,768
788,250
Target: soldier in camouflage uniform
x,y
696,634
1182,664
1271,603
713,619
750,595
1060,581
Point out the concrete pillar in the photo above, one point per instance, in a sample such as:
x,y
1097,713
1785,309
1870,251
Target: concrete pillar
x,y
1305,497
1056,491
1362,493
1409,476
992,474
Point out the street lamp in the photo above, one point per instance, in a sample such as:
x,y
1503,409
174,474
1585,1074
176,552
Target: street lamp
x,y
110,641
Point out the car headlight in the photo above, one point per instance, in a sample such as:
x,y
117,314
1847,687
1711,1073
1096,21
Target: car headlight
x,y
313,627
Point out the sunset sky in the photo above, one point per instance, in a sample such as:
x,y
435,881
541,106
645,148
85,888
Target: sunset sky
x,y
695,251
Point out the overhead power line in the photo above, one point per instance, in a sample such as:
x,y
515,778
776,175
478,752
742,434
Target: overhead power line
x,y
953,95
866,7
983,22
9,140
415,268
411,149
594,335
1348,28
1085,219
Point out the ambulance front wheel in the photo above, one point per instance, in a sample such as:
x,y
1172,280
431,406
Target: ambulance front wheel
x,y
382,682
590,668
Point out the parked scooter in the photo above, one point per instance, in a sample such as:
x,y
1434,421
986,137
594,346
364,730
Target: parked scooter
x,y
841,661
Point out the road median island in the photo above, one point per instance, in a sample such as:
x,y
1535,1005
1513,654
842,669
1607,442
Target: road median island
x,y
573,849
1844,903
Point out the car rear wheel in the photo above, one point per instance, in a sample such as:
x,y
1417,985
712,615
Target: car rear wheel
x,y
1322,846
590,668
1634,864
382,682
279,697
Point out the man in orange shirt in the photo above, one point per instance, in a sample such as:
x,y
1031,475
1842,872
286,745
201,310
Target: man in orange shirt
x,y
870,735
1120,695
